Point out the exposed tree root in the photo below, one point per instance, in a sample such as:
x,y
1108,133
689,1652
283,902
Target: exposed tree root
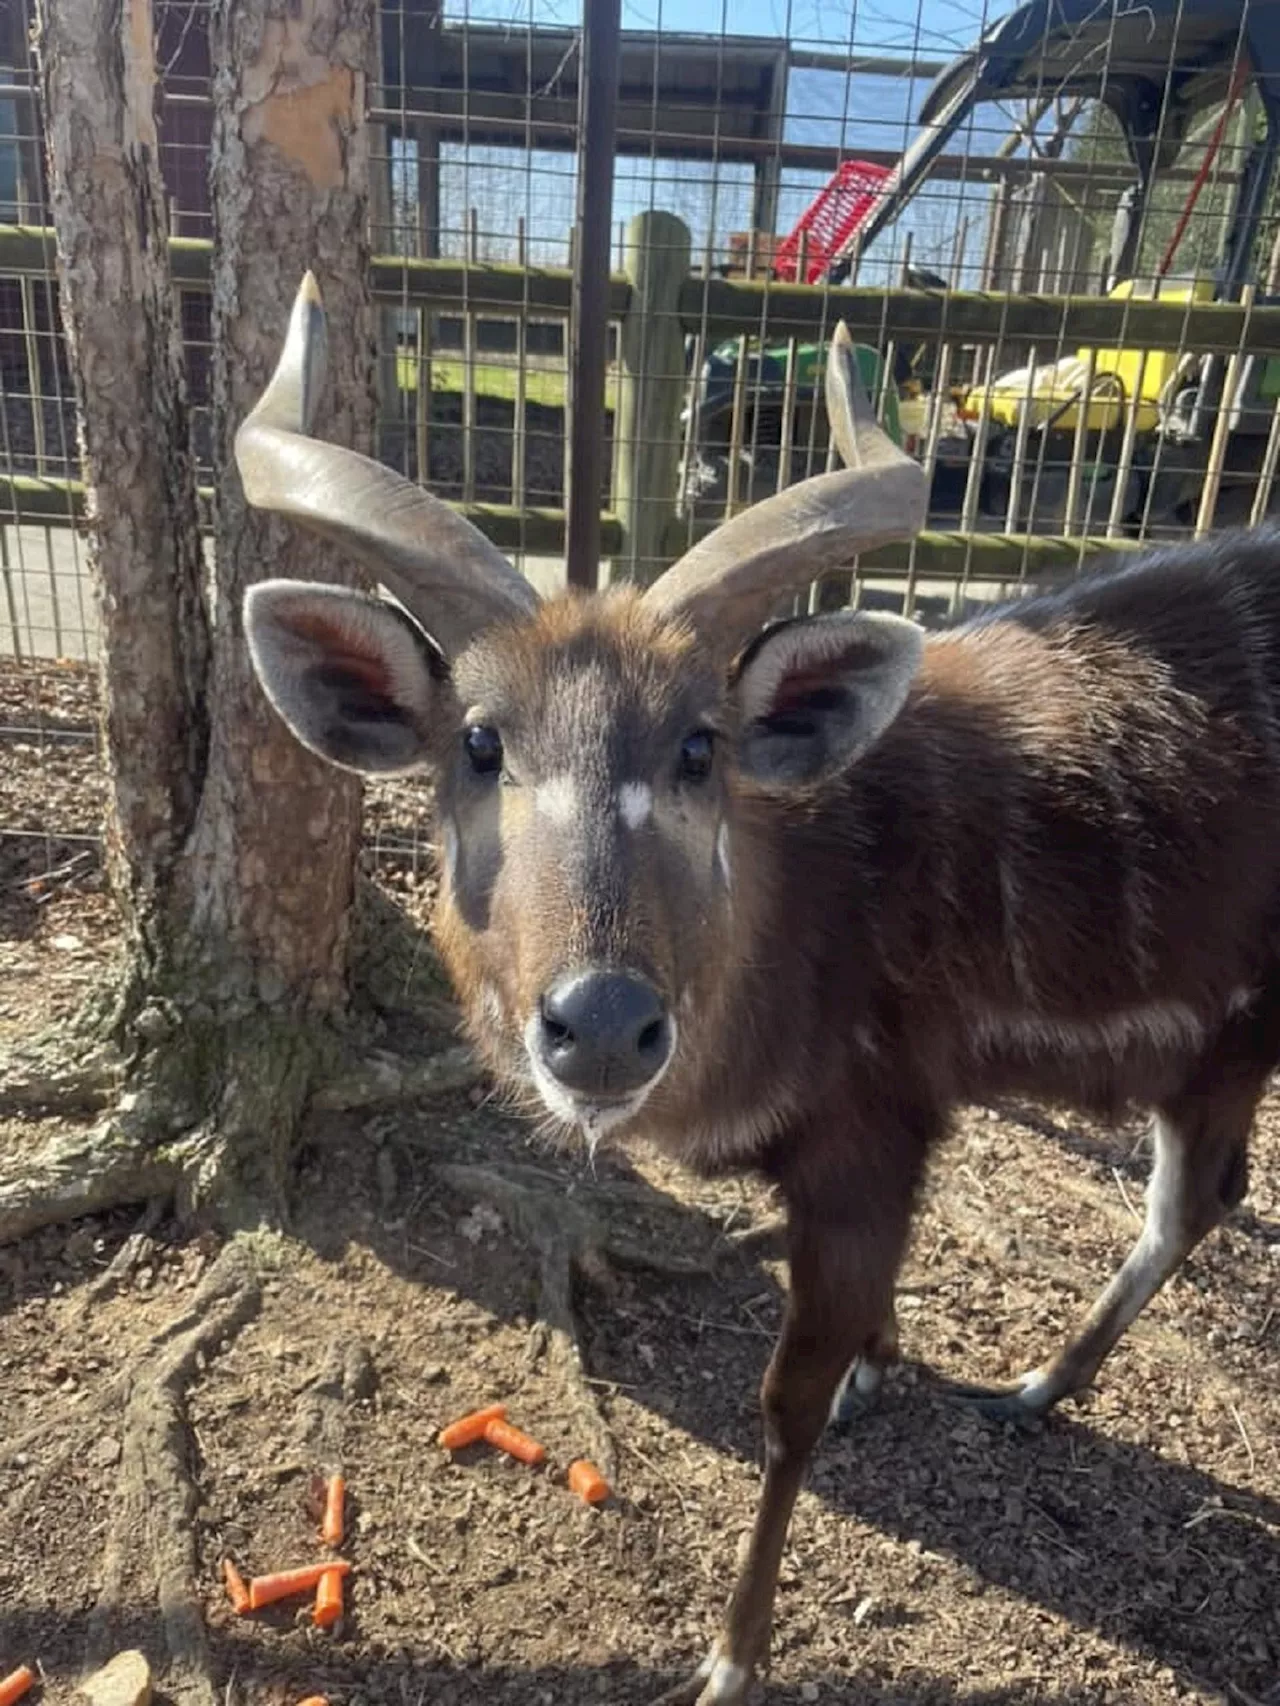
x,y
569,1240
346,1376
108,1165
37,1094
156,1496
131,1255
382,1080
193,1124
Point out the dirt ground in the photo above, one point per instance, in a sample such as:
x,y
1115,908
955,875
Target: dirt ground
x,y
1128,1550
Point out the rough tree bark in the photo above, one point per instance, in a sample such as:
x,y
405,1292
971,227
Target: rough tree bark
x,y
231,849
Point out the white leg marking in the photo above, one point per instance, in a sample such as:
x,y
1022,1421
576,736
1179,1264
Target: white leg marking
x,y
635,803
1160,1243
867,1377
1034,1390
864,1377
837,1397
725,1682
557,798
1162,1232
722,855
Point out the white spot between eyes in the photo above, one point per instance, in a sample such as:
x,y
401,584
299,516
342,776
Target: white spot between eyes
x,y
722,854
635,802
557,798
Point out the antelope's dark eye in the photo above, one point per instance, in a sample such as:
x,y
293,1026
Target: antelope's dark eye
x,y
484,749
695,756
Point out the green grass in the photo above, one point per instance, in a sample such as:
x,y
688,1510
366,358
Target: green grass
x,y
543,386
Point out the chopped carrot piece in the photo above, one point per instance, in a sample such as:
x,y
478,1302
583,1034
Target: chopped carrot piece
x,y
266,1590
513,1442
16,1684
328,1600
237,1592
468,1429
334,1498
314,1700
587,1482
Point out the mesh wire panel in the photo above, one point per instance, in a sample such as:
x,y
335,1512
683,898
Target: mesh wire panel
x,y
1062,384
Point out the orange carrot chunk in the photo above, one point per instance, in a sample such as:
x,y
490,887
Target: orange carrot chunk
x,y
334,1499
237,1592
16,1684
266,1590
328,1600
314,1700
468,1429
587,1482
513,1442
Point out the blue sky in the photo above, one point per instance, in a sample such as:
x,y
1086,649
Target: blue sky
x,y
929,27
849,111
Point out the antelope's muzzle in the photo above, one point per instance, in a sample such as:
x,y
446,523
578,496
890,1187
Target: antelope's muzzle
x,y
603,1034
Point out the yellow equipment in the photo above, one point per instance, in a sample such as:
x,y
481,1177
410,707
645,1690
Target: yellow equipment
x,y
1053,392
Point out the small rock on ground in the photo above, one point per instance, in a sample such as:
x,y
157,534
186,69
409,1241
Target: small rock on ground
x,y
124,1681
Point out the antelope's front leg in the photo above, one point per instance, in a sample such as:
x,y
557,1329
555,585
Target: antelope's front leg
x,y
842,1274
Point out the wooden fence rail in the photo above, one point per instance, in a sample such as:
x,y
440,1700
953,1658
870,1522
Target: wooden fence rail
x,y
659,303
725,307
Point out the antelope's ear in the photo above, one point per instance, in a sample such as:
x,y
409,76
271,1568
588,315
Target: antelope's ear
x,y
815,693
351,675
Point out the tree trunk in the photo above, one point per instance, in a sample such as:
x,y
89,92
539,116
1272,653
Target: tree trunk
x,y
290,186
97,68
232,849
267,887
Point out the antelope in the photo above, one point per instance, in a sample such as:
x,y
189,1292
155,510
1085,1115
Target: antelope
x,y
783,894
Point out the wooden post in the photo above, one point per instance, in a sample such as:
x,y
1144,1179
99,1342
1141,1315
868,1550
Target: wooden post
x,y
651,390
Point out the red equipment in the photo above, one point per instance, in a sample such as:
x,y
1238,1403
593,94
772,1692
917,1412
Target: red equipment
x,y
826,227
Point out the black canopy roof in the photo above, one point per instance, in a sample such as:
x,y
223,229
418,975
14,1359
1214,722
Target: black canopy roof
x,y
1137,56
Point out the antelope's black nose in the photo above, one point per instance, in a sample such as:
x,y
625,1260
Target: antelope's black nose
x,y
604,1033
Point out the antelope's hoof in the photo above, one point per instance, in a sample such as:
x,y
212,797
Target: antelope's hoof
x,y
1025,1401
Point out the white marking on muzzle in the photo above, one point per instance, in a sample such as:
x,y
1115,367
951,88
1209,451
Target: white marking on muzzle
x,y
557,798
635,804
592,1119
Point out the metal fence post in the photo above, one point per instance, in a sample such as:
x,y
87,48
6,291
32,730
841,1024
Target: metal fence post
x,y
651,390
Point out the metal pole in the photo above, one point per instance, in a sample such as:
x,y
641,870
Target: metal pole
x,y
597,129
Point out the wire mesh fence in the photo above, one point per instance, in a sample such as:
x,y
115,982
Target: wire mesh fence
x,y
1052,229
